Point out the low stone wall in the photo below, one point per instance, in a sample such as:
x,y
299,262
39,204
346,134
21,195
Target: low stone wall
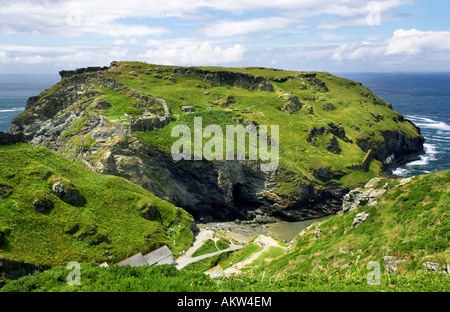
x,y
365,163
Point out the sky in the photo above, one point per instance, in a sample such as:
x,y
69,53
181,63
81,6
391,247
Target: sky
x,y
45,36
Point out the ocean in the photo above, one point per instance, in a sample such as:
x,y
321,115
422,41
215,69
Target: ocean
x,y
15,91
423,98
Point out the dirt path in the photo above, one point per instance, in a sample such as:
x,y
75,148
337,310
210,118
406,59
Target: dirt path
x,y
266,242
201,237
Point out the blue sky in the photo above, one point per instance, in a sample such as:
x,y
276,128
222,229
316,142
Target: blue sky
x,y
45,36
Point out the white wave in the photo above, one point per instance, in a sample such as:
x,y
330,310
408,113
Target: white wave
x,y
422,162
402,172
429,123
430,152
444,138
430,148
11,110
441,132
437,140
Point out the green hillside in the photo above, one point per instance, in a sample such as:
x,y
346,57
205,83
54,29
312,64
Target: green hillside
x,y
113,220
409,222
319,114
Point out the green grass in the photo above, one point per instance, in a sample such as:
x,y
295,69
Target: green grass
x,y
222,244
207,247
111,208
410,222
346,103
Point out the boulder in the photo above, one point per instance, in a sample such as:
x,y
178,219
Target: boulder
x,y
391,264
436,267
43,205
68,194
360,197
359,218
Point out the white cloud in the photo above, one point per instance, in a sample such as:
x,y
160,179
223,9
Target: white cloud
x,y
412,47
413,42
60,57
203,54
68,19
225,28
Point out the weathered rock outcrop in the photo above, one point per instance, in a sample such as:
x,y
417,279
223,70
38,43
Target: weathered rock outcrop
x,y
396,149
362,196
11,269
69,194
43,205
10,138
240,80
70,73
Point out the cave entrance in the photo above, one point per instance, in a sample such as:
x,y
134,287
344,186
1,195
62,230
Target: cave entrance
x,y
243,198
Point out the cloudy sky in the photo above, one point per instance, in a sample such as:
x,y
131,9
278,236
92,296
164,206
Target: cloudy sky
x,y
45,36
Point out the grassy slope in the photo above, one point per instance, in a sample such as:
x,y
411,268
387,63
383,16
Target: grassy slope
x,y
353,106
112,206
410,222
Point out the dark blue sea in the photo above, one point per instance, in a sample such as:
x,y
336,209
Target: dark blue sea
x,y
424,98
15,91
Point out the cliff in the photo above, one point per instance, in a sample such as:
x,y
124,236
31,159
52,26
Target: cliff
x,y
119,120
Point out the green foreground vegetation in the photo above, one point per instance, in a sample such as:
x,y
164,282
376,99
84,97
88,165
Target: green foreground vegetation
x,y
321,117
109,226
410,222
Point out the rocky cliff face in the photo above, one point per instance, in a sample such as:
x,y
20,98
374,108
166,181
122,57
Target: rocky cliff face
x,y
70,118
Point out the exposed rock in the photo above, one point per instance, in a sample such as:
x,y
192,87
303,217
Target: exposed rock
x,y
338,131
71,228
326,174
217,78
329,107
281,79
43,205
69,194
391,265
405,180
333,146
10,138
293,104
436,267
396,149
78,71
316,234
92,236
148,211
102,104
360,197
359,218
11,269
